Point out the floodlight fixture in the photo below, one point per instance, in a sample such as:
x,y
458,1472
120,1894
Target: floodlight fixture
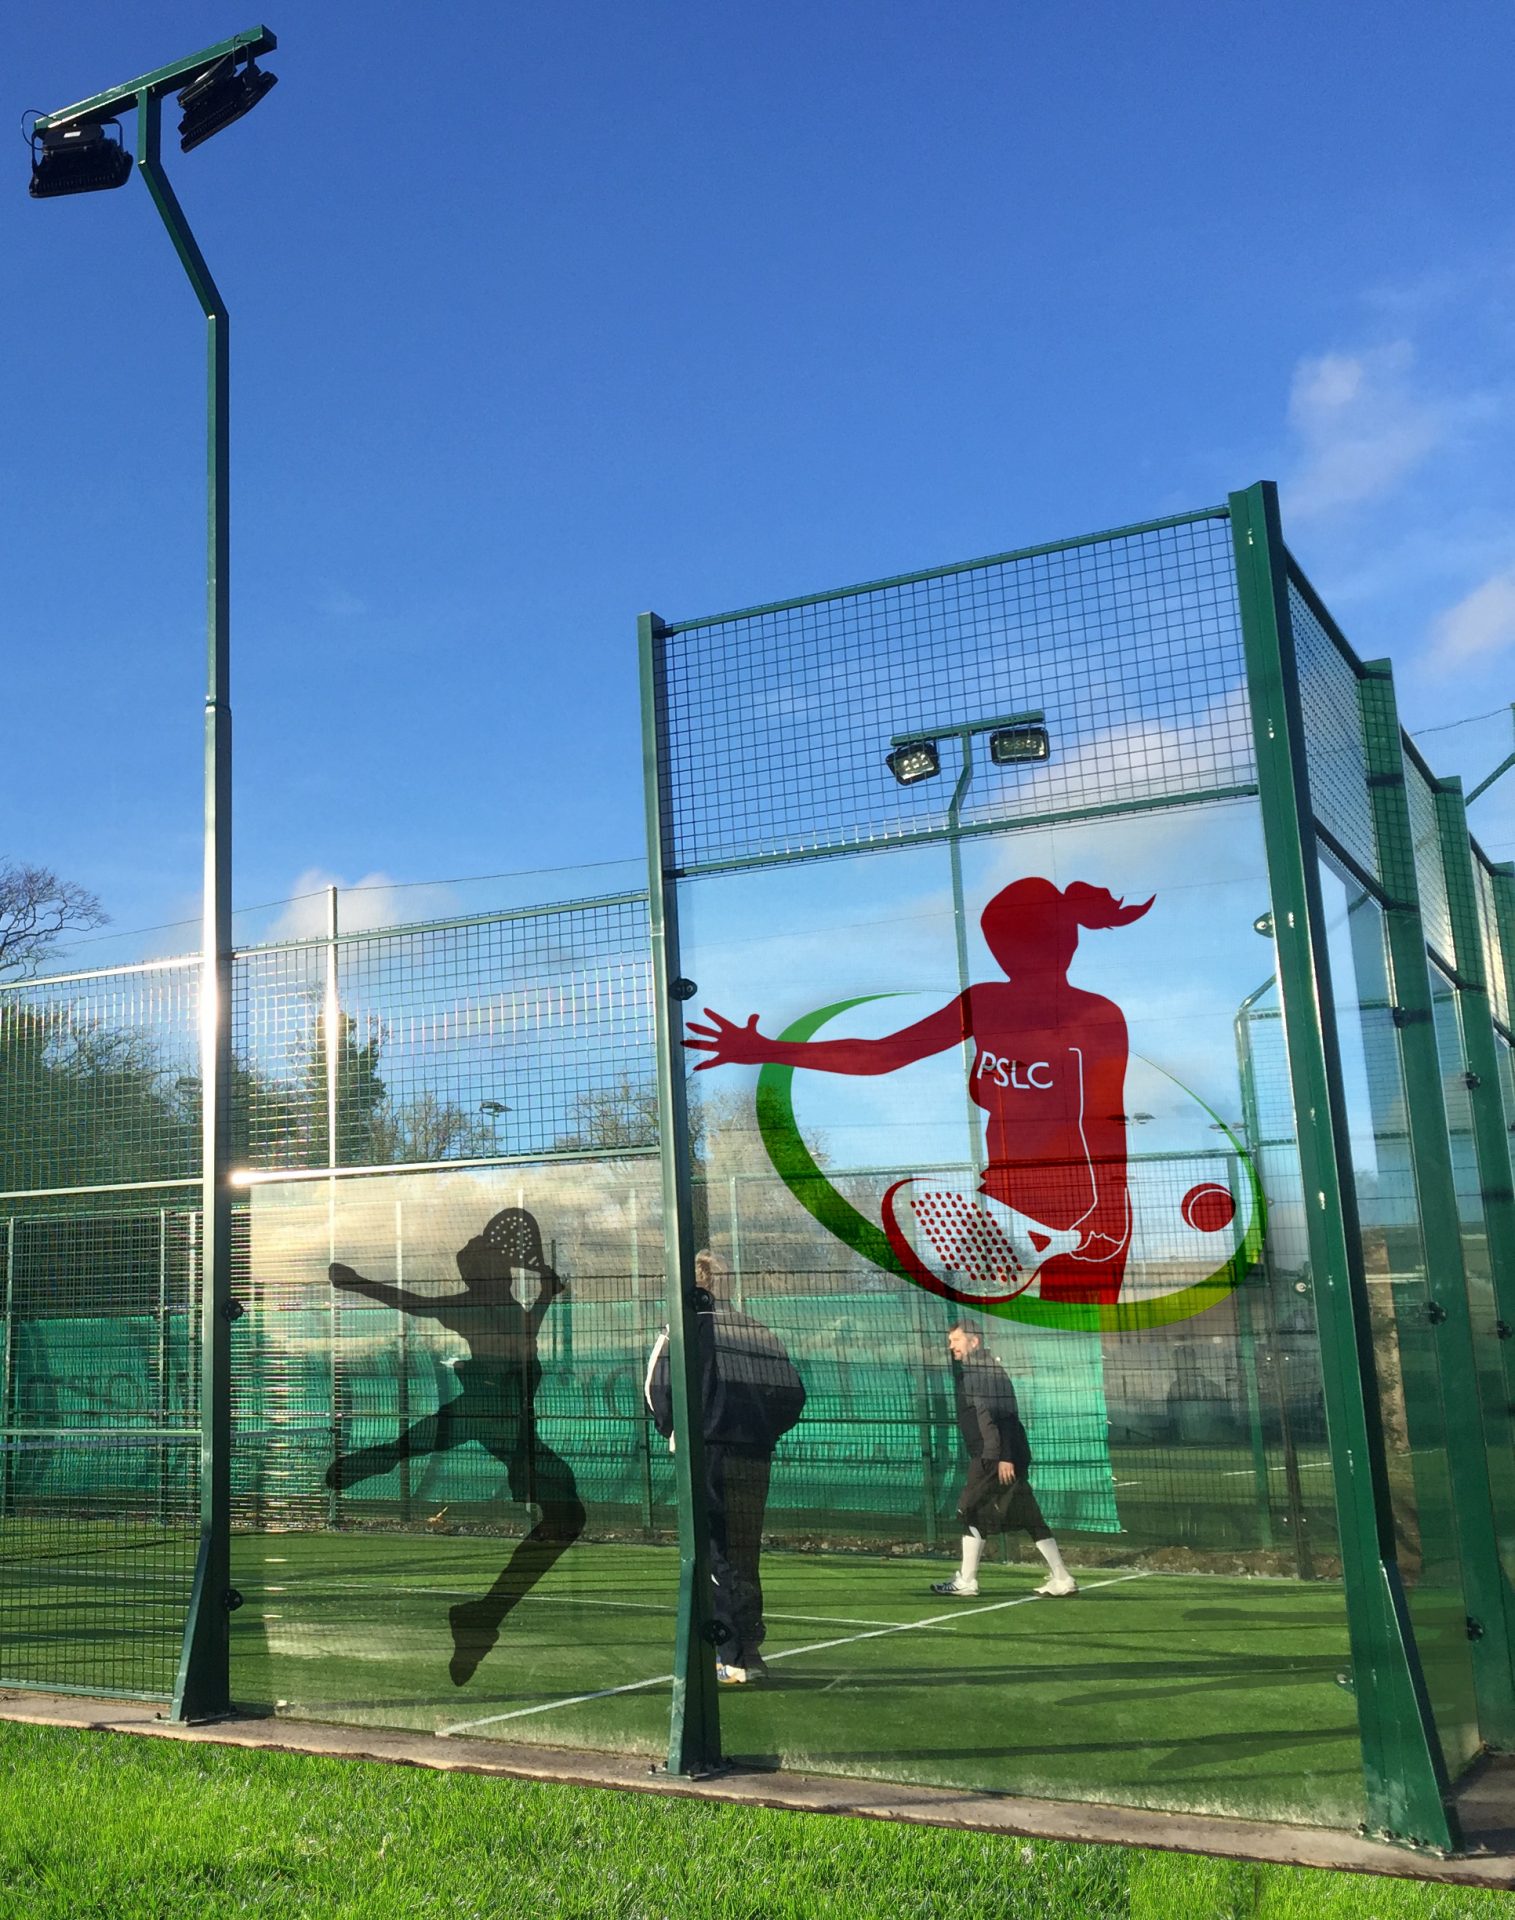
x,y
1263,924
78,158
913,761
219,95
1015,740
493,1107
1009,746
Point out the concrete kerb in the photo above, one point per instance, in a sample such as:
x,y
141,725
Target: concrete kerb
x,y
1486,1802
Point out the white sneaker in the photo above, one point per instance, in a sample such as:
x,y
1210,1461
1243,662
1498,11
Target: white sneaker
x,y
1056,1589
728,1675
956,1589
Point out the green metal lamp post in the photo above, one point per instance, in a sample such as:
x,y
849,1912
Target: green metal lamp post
x,y
74,153
1014,739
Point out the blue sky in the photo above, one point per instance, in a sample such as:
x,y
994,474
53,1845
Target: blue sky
x,y
543,316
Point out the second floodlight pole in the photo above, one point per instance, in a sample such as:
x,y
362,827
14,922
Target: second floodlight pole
x,y
204,1681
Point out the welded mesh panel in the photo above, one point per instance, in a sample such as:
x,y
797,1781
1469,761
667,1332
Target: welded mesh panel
x,y
777,723
527,1033
279,1089
1430,871
98,1078
1334,747
99,1449
1494,957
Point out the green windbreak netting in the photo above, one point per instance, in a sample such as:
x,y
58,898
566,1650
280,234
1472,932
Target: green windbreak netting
x,y
99,1449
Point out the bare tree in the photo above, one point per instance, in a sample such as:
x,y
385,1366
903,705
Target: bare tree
x,y
36,907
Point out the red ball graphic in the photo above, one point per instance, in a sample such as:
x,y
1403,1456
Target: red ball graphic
x,y
1208,1208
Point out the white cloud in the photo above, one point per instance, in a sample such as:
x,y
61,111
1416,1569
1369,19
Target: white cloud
x,y
374,900
1361,427
1482,622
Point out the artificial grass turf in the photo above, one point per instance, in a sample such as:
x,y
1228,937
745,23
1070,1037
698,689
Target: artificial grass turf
x,y
1176,1691
110,1827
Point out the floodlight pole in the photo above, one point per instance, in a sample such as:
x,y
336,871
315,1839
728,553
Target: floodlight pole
x,y
965,731
960,930
1503,768
203,1685
204,1681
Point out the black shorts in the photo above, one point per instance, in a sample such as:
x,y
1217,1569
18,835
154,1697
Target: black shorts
x,y
993,1507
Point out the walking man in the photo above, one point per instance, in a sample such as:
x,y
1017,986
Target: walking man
x,y
997,1496
751,1397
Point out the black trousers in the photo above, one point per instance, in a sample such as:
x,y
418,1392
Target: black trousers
x,y
995,1508
737,1489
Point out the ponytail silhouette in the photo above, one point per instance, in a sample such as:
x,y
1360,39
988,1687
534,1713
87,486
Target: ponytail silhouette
x,y
1097,908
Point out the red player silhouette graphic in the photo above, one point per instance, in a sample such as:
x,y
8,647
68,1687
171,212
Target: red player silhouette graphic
x,y
1049,1072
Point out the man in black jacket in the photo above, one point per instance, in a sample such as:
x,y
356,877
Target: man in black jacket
x,y
998,1494
751,1396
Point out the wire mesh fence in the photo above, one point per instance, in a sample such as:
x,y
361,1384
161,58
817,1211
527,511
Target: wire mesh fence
x,y
776,723
988,1080
99,1447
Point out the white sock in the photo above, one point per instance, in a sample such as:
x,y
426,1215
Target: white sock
x,y
973,1547
1048,1551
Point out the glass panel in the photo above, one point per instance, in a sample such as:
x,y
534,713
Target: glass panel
x,y
1404,1333
1488,1349
451,1510
1493,946
1430,873
1100,1181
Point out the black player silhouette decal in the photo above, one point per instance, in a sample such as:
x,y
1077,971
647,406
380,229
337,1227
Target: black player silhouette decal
x,y
495,1405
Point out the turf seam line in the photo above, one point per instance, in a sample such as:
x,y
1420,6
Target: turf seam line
x,y
788,1653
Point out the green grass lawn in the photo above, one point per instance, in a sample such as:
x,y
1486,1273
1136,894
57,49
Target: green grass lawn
x,y
110,1827
1175,1691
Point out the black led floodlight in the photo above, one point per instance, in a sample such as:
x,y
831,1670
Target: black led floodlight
x,y
914,760
81,158
219,95
1008,746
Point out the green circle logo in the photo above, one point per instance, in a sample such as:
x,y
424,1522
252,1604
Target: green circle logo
x,y
1208,1210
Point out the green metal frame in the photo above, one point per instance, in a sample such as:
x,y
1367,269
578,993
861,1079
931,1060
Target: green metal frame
x,y
203,1686
1490,1136
1404,1770
694,1734
252,41
1490,1599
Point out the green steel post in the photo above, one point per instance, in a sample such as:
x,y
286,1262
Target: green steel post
x,y
926,1426
162,1361
694,1735
402,1387
1246,1072
7,1372
1491,1139
734,1208
204,1682
1403,1768
1246,1343
1490,1601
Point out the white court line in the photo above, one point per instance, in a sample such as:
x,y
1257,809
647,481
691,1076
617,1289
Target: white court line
x,y
569,1599
789,1653
1304,1466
